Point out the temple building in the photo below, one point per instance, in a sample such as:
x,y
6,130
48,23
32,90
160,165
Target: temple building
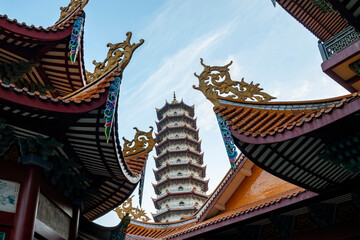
x,y
294,168
180,188
61,163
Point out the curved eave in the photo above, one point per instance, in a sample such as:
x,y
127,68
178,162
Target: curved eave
x,y
160,112
157,215
184,140
187,151
179,151
56,32
159,134
180,116
295,151
316,119
188,164
322,25
170,194
82,102
189,178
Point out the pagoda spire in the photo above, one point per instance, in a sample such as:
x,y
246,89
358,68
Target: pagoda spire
x,y
174,100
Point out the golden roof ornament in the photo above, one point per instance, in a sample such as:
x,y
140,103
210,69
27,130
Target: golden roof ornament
x,y
174,100
119,54
216,80
65,11
127,208
143,141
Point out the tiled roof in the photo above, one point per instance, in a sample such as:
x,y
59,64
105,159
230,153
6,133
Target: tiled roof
x,y
85,94
136,163
240,211
322,25
260,120
56,27
136,231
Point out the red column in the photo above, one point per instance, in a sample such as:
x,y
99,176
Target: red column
x,y
24,221
74,228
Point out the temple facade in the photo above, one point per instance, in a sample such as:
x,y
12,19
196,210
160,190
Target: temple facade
x,y
180,188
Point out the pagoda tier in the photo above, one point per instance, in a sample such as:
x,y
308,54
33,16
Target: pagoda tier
x,y
175,107
200,170
183,129
170,120
179,154
170,196
170,180
175,211
180,174
178,143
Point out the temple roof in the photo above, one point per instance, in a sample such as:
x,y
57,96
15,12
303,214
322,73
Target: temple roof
x,y
179,116
189,177
311,143
201,222
324,25
172,141
260,120
170,194
48,48
83,108
182,165
160,112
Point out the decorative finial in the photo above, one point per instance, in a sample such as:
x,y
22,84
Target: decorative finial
x,y
143,141
66,11
211,86
126,209
114,57
174,100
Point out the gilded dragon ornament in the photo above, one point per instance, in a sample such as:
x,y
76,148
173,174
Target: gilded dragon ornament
x,y
216,80
127,208
143,141
65,11
119,54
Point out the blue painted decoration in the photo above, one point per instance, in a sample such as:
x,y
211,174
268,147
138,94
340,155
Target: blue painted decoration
x,y
111,106
120,232
2,236
274,2
228,141
33,159
75,38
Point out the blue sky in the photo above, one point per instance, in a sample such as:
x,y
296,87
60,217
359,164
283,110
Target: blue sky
x,y
265,43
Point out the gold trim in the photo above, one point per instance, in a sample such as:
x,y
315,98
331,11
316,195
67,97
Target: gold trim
x,y
143,141
114,57
127,209
237,90
65,11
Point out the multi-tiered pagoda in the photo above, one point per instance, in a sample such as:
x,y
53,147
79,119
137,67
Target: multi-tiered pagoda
x,y
180,186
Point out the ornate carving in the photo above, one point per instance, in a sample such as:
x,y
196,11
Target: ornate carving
x,y
115,56
127,209
65,11
237,90
143,141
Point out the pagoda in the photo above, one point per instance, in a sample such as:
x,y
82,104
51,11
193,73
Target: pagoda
x,y
180,188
